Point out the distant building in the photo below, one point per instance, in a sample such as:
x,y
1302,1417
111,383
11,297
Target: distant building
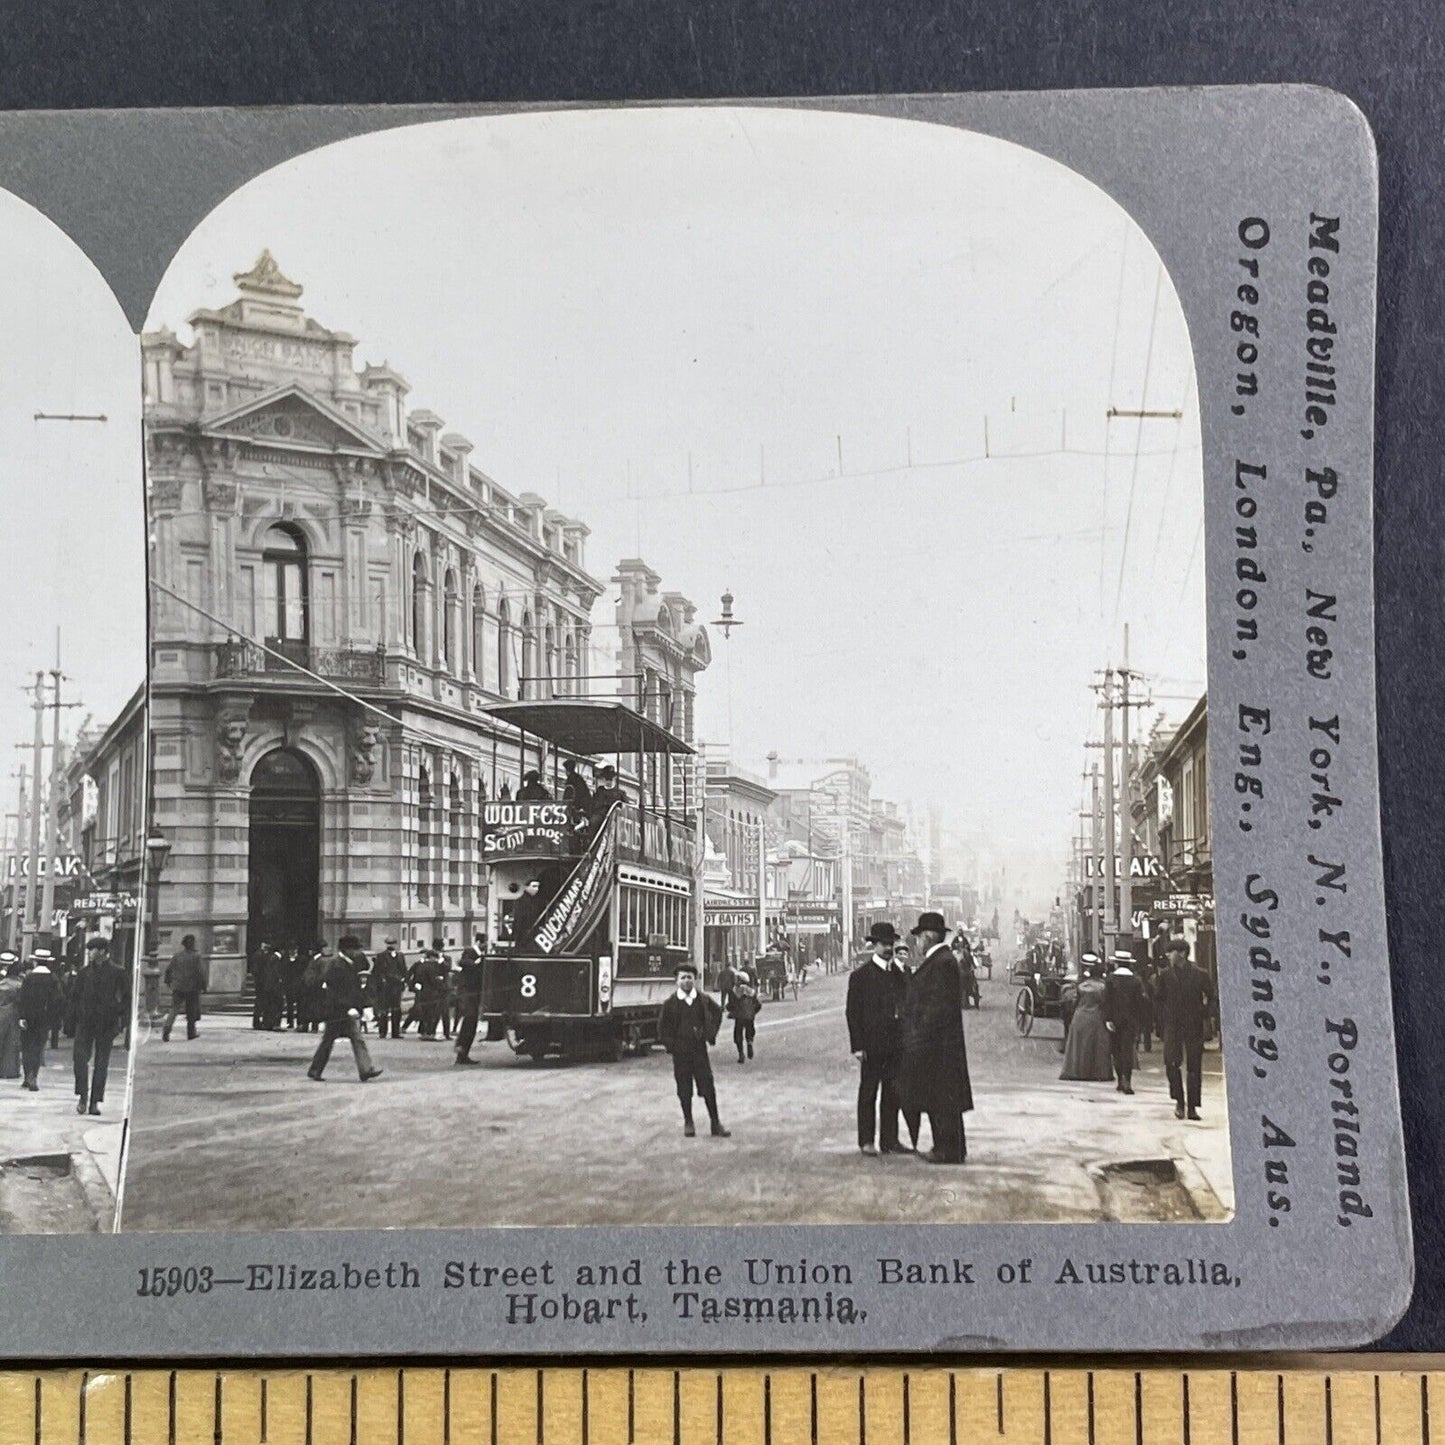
x,y
104,821
736,896
1172,817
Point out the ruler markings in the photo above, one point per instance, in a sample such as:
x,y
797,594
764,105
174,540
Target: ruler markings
x,y
875,1405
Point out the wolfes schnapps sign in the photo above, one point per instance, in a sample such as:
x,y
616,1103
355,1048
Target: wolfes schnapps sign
x,y
512,827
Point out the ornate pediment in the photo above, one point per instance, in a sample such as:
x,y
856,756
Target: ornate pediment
x,y
293,417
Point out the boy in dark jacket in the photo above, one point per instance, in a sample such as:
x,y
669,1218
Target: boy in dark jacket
x,y
688,1023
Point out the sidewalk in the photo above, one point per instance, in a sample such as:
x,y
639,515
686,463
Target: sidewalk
x,y
59,1170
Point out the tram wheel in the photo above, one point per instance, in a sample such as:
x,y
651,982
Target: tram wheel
x,y
1024,1012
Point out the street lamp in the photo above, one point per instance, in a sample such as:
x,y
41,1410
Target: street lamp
x,y
158,848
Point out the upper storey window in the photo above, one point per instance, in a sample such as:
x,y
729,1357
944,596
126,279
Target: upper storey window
x,y
283,561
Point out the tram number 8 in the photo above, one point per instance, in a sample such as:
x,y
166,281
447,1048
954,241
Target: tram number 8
x,y
529,985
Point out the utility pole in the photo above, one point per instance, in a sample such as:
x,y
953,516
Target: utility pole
x,y
13,931
762,887
32,893
1111,914
1096,933
52,831
1126,811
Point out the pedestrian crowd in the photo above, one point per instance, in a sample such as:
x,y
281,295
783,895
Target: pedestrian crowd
x,y
42,999
342,992
1113,1011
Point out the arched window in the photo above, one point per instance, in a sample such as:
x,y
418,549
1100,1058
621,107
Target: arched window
x,y
425,809
527,686
451,623
479,632
454,841
283,561
419,629
569,665
550,660
505,672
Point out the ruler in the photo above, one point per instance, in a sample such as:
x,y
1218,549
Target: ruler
x,y
1344,1400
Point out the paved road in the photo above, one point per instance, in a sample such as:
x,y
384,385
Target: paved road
x,y
227,1132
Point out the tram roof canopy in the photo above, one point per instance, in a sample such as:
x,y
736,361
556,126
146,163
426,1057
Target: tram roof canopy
x,y
590,727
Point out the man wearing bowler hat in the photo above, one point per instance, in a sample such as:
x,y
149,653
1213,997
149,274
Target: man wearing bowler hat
x,y
687,1024
934,1076
876,989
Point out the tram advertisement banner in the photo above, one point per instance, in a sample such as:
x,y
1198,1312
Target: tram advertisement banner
x,y
512,827
569,919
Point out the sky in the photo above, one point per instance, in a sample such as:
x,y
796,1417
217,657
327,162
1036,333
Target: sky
x,y
72,551
855,370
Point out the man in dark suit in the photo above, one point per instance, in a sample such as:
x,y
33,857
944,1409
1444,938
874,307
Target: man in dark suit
x,y
687,1024
37,1008
876,990
934,1076
1123,1012
469,998
1182,997
388,987
102,1005
342,1000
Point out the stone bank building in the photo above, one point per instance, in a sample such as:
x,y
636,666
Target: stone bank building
x,y
340,598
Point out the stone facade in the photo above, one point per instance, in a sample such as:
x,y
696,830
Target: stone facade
x,y
340,597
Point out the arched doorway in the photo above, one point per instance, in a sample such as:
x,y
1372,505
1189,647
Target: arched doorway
x,y
284,864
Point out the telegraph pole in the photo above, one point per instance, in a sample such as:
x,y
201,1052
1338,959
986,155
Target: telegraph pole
x,y
12,938
1111,914
1126,812
32,894
1096,938
52,831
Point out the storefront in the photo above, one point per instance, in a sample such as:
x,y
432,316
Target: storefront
x,y
813,932
729,933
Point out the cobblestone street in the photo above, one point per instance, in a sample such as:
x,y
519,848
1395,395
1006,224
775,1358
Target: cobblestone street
x,y
228,1133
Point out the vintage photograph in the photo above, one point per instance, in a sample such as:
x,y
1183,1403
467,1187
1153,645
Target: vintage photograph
x,y
72,709
677,690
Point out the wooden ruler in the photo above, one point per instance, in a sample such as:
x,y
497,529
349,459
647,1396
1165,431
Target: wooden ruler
x,y
1343,1400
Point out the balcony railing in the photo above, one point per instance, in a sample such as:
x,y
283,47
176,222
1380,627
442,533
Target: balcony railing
x,y
248,659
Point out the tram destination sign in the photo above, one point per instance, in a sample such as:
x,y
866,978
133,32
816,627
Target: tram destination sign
x,y
510,827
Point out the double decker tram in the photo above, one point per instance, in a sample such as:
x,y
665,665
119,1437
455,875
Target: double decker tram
x,y
589,910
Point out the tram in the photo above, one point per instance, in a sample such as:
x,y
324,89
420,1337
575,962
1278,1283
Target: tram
x,y
589,910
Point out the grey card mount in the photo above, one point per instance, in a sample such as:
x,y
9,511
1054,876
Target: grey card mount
x,y
759,730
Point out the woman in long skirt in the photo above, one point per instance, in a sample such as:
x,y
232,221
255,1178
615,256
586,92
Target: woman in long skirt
x,y
9,1019
1087,1055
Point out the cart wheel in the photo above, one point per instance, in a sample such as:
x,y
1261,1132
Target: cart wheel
x,y
1024,1012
